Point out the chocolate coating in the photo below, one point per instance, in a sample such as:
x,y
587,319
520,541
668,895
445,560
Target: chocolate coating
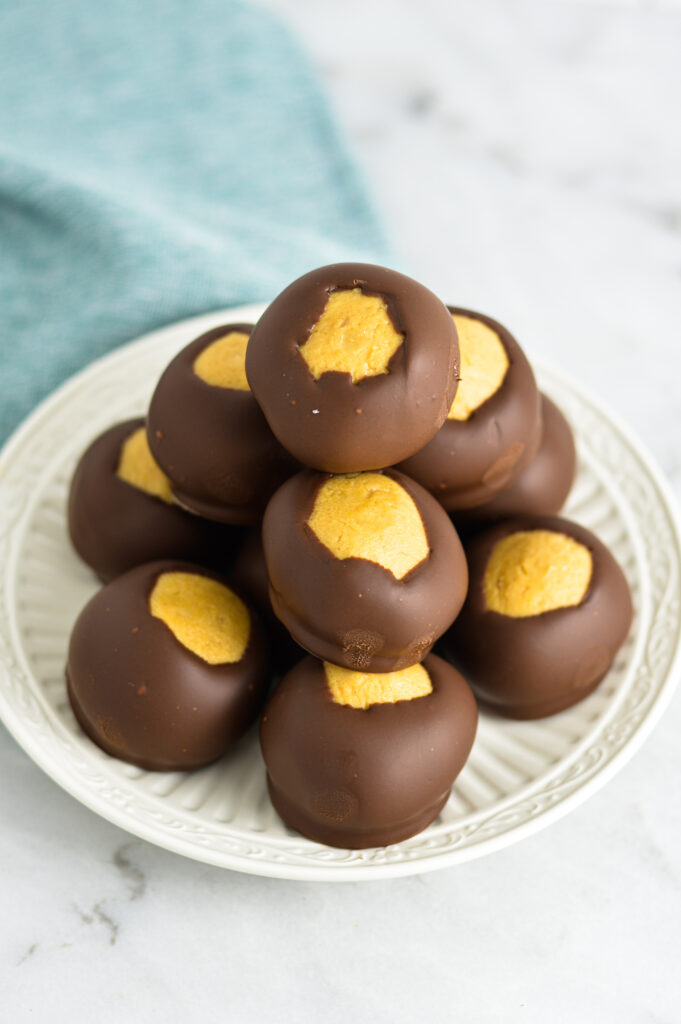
x,y
353,612
532,667
115,526
214,443
250,578
142,696
332,424
469,461
358,778
250,572
543,487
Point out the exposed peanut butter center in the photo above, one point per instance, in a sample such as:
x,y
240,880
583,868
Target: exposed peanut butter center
x,y
484,363
204,615
368,515
223,362
536,571
362,689
137,467
353,335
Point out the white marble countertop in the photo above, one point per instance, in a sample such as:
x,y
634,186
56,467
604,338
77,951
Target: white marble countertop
x,y
527,159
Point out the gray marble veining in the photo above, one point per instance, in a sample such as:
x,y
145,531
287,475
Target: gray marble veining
x,y
527,159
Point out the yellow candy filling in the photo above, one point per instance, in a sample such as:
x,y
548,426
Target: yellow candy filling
x,y
223,362
204,615
535,571
353,335
369,515
484,364
362,689
137,467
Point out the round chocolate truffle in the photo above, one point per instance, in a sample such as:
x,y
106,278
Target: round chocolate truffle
x,y
357,760
249,576
354,366
207,432
166,667
547,610
493,427
366,570
121,513
543,487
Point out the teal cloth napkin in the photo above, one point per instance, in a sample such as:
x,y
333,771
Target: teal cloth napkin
x,y
158,158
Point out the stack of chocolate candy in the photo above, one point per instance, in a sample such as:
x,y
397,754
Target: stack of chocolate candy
x,y
357,428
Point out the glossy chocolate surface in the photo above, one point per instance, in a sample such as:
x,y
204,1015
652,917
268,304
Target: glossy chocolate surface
x,y
250,572
115,526
249,576
536,666
469,461
142,696
214,443
543,487
332,424
359,778
353,612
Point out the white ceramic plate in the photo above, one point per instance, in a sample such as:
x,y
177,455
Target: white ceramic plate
x,y
520,776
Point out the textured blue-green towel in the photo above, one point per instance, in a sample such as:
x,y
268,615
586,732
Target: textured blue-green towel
x,y
158,158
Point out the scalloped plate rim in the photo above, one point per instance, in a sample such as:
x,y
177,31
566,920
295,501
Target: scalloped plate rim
x,y
64,776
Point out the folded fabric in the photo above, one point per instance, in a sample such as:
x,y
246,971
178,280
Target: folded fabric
x,y
157,160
